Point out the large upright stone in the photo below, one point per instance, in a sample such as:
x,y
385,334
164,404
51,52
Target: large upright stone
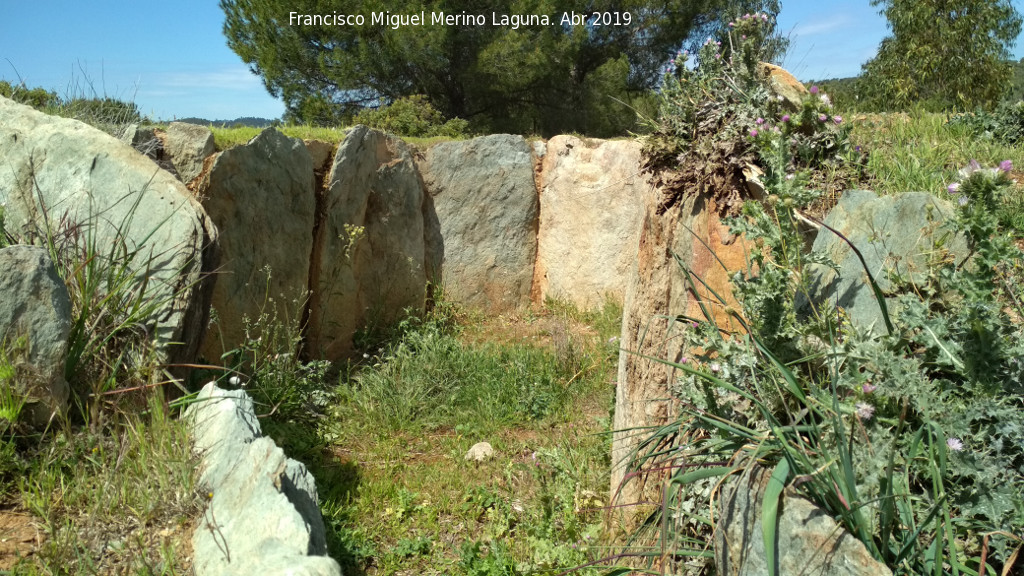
x,y
591,203
368,261
900,238
686,227
35,318
73,179
187,146
261,197
484,242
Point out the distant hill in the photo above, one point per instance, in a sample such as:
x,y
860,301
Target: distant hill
x,y
249,121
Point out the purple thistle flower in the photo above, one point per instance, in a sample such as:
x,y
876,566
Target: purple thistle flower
x,y
955,444
823,117
953,188
868,388
716,367
764,17
753,133
1006,166
759,121
785,117
837,119
814,89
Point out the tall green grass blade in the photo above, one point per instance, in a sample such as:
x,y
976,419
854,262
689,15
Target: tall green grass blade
x,y
770,511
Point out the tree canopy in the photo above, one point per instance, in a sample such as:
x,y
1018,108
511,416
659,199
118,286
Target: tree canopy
x,y
943,53
535,77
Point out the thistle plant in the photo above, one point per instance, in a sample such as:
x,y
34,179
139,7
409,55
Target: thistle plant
x,y
913,440
718,114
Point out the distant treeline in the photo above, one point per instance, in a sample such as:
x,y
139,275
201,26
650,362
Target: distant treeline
x,y
245,121
851,93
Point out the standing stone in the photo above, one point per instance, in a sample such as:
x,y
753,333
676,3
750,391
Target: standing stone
x,y
784,85
898,236
689,228
368,261
591,203
34,305
145,140
485,209
187,146
66,176
810,542
263,516
261,197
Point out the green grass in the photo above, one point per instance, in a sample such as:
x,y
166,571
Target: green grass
x,y
396,493
109,487
118,500
225,138
917,152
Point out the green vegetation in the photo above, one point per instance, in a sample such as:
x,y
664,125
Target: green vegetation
x,y
387,444
542,78
411,116
225,138
716,116
110,488
910,437
112,115
942,54
917,151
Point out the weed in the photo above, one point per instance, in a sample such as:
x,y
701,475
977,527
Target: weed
x,y
907,438
917,151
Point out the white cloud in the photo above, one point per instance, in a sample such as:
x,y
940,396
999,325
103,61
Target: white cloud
x,y
234,78
822,26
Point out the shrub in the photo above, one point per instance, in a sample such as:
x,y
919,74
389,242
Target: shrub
x,y
1005,124
38,98
913,439
412,116
718,114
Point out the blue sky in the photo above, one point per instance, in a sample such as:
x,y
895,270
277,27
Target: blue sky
x,y
171,57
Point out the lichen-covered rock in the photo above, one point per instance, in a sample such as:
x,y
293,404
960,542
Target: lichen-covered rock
x,y
63,175
187,146
262,517
809,541
35,307
368,260
261,197
591,203
145,140
784,85
898,236
482,234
